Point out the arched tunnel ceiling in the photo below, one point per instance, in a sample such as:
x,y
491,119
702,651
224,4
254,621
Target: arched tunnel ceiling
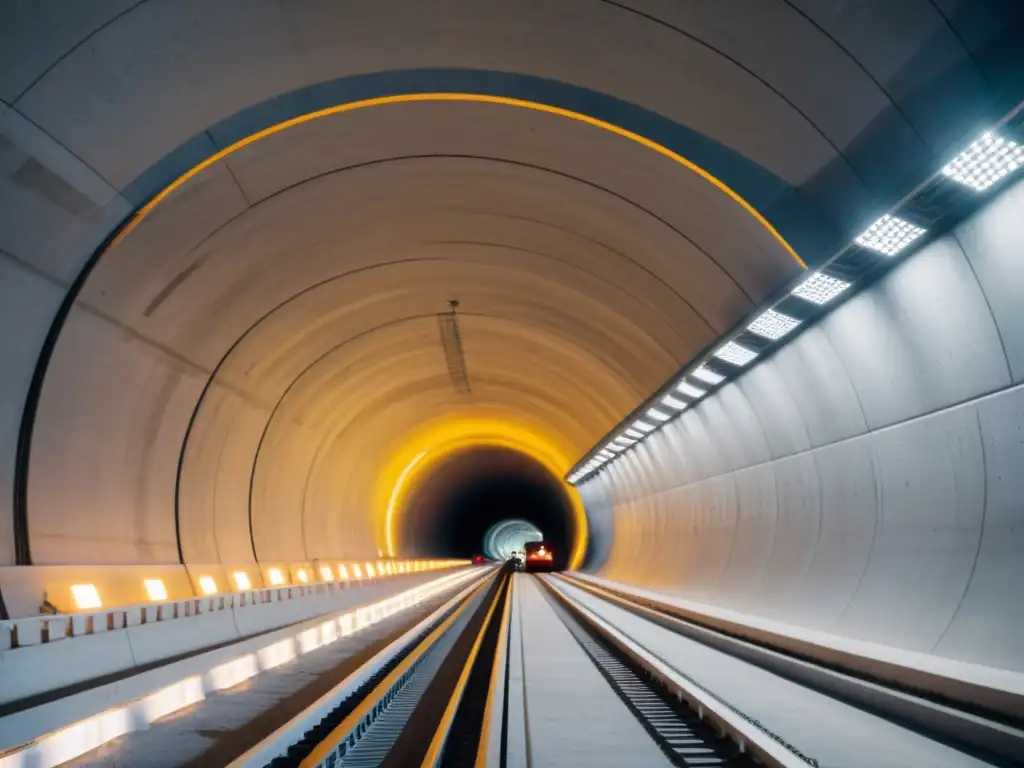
x,y
241,369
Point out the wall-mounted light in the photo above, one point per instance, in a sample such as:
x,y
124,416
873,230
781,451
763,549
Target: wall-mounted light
x,y
242,582
276,576
86,596
734,353
820,288
302,575
357,571
889,235
705,374
326,573
207,585
689,390
985,162
773,325
155,589
657,415
342,572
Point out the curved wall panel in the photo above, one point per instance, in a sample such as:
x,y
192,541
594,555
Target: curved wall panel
x,y
864,481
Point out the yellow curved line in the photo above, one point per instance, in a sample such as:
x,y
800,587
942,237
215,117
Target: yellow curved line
x,y
460,97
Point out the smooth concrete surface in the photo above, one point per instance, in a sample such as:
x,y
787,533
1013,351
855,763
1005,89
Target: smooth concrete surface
x,y
572,716
212,671
861,482
37,669
823,728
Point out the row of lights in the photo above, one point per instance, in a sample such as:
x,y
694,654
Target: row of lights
x,y
87,596
985,162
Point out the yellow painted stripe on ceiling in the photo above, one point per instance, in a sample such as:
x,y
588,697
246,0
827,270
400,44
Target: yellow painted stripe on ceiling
x,y
456,97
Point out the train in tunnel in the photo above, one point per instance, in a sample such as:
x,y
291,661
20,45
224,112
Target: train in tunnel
x,y
539,556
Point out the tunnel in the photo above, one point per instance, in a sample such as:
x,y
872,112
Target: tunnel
x,y
290,285
476,493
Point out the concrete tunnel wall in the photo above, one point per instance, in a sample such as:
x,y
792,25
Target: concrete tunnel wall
x,y
296,281
866,480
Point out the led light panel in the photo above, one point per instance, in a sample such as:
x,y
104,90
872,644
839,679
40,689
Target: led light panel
x,y
705,374
643,426
155,589
689,390
820,288
86,596
889,235
634,434
654,413
674,402
773,325
985,162
242,581
735,353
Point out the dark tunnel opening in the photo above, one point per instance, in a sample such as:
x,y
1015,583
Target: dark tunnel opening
x,y
451,511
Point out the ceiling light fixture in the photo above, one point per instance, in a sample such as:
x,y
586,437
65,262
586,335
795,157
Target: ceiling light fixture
x,y
673,402
773,325
889,235
657,415
734,353
689,390
985,162
708,376
820,288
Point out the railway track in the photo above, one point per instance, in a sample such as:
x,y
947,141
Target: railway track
x,y
443,697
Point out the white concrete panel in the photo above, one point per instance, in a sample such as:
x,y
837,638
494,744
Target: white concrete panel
x,y
31,42
209,59
829,405
283,468
54,210
992,241
932,483
693,451
923,339
756,531
107,499
734,428
714,517
28,303
128,279
849,517
214,491
989,626
777,411
797,484
775,41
